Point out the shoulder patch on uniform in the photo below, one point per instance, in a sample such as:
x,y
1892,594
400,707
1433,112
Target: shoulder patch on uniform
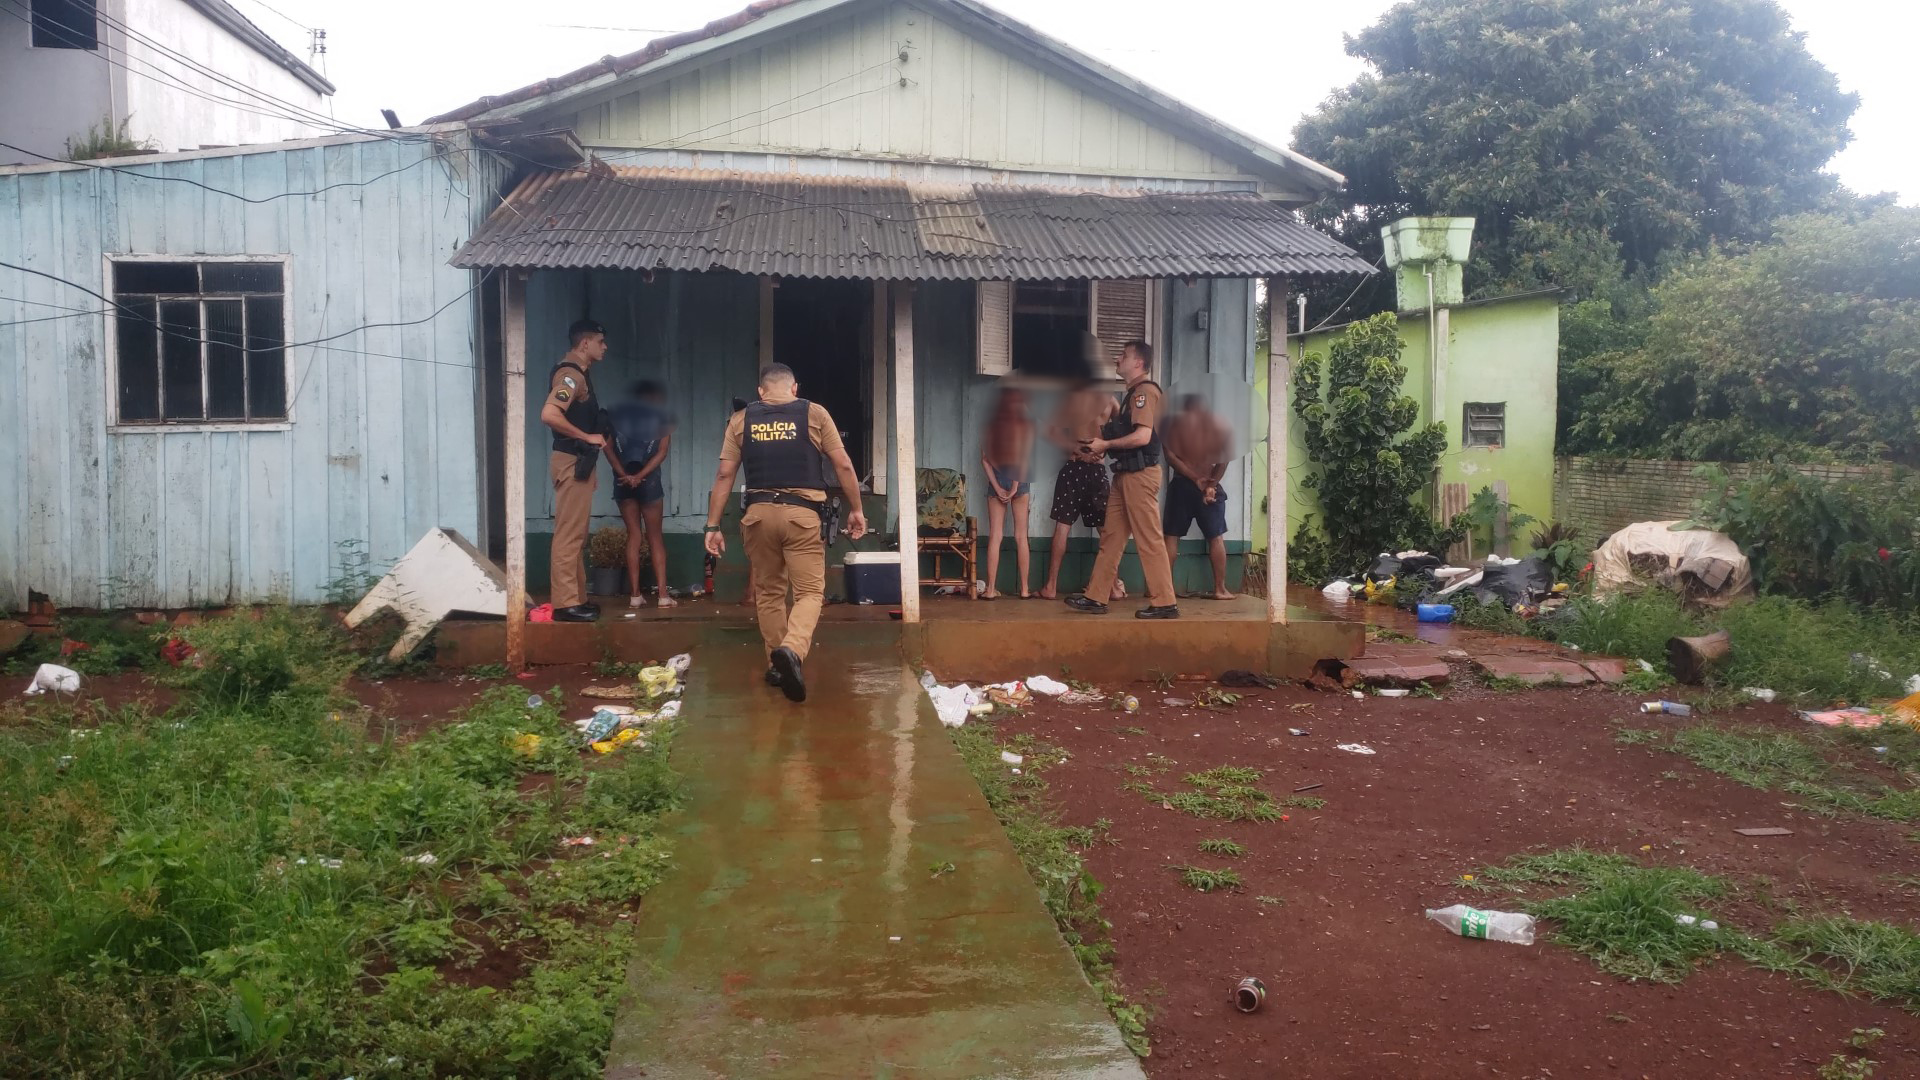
x,y
1140,402
561,395
568,379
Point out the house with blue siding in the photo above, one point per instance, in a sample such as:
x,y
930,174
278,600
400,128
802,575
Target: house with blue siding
x,y
913,203
226,375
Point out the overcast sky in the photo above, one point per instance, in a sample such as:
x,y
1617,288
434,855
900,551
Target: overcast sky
x,y
1255,64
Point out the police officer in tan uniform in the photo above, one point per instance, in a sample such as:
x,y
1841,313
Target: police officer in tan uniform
x,y
572,410
786,444
1132,440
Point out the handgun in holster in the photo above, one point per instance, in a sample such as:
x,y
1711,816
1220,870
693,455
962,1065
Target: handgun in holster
x,y
586,456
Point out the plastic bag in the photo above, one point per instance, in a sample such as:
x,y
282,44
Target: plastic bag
x,y
1520,582
54,677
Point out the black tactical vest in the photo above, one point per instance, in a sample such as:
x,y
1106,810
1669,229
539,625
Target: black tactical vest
x,y
1122,425
582,412
777,449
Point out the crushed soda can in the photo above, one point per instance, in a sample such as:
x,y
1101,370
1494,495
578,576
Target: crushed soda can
x,y
1249,995
1667,708
1130,703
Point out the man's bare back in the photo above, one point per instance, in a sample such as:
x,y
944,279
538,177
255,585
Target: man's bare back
x,y
1200,441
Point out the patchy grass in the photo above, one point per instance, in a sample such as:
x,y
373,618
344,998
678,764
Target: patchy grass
x,y
1046,848
1204,880
1627,736
1224,793
1851,956
1222,847
1620,913
1804,765
257,883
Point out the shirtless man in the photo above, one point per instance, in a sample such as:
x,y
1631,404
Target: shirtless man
x,y
1080,491
1007,454
1198,446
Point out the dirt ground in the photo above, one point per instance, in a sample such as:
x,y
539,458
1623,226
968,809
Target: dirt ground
x,y
412,702
1359,983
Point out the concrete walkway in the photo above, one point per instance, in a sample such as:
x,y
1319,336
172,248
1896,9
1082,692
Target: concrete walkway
x,y
800,932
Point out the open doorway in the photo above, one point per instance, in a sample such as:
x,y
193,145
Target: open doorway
x,y
821,329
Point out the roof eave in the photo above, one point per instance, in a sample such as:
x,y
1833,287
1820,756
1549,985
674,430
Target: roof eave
x,y
227,18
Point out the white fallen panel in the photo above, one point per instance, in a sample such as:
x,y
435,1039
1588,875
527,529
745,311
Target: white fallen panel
x,y
441,575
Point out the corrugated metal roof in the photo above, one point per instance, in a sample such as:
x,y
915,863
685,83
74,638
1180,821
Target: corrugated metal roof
x,y
610,217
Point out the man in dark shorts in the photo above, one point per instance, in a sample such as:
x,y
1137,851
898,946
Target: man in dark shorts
x,y
643,432
1198,450
1080,491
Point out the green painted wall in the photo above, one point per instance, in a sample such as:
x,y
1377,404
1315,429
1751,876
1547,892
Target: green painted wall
x,y
1498,351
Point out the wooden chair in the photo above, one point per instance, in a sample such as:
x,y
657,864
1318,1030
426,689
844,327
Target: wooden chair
x,y
945,529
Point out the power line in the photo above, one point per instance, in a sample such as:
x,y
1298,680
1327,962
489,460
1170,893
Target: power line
x,y
284,15
117,307
128,170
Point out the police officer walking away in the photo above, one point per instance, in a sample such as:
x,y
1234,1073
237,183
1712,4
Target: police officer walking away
x,y
786,444
573,412
1132,439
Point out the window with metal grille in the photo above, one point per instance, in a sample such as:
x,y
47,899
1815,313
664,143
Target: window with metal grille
x,y
1486,424
200,342
65,24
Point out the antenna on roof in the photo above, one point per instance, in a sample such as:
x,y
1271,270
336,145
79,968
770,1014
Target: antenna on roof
x,y
316,44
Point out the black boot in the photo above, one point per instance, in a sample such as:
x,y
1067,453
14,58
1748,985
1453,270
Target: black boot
x,y
1169,611
786,663
577,613
1086,604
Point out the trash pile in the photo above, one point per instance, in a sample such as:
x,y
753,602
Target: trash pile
x,y
1422,581
954,704
1705,567
613,727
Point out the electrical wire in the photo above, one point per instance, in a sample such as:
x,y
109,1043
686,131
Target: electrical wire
x,y
117,307
128,170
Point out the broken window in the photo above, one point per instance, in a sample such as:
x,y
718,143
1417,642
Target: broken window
x,y
200,342
65,24
1041,327
1486,424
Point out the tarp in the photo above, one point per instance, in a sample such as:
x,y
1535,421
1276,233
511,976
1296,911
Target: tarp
x,y
1704,566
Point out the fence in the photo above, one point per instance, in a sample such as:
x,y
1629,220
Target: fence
x,y
1600,496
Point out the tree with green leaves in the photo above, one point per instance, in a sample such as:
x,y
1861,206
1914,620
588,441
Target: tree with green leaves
x,y
1354,412
1808,346
1618,131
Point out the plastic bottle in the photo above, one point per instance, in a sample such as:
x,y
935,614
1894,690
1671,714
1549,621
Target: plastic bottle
x,y
1492,925
1435,613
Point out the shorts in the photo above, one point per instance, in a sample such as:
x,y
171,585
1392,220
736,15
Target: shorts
x,y
1080,494
1186,504
1004,475
646,492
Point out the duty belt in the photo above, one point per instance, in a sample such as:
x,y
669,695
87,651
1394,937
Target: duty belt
x,y
785,499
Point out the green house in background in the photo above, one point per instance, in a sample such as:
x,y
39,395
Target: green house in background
x,y
1486,368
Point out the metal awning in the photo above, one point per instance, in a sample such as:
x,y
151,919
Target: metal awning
x,y
623,218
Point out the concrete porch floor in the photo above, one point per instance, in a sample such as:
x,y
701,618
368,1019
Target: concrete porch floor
x,y
964,639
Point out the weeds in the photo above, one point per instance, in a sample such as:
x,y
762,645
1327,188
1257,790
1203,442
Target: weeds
x,y
1225,793
1269,901
1070,893
1195,877
1222,847
252,661
1627,736
236,886
1783,761
487,671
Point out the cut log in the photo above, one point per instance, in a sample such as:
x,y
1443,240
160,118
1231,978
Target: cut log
x,y
1691,658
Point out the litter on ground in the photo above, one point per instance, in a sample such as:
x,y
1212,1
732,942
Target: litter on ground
x,y
54,677
1355,748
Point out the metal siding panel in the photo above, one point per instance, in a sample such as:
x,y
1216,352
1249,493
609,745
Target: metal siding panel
x,y
134,517
308,316
428,422
345,306
270,495
16,480
44,356
226,508
396,395
183,512
83,406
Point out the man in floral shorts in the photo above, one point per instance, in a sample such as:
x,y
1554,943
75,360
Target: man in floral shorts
x,y
1080,491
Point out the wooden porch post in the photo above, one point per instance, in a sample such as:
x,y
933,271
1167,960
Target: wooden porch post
x,y
877,461
1279,440
905,487
513,314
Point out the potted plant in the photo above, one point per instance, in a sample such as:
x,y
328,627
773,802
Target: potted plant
x,y
606,557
